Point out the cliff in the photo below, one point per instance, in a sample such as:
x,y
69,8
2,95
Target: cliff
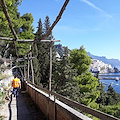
x,y
101,64
112,62
101,67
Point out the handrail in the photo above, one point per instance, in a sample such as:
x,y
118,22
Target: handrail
x,y
77,105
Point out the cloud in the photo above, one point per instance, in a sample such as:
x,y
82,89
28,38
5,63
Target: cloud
x,y
95,7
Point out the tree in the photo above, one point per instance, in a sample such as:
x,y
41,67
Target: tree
x,y
80,60
47,26
117,114
103,95
86,82
44,54
22,26
12,6
109,101
37,52
26,32
63,79
43,49
112,97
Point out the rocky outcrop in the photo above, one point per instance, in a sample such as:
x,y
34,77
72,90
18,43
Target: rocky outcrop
x,y
112,62
101,67
116,70
4,83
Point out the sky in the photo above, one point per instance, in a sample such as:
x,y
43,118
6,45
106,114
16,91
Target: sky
x,y
95,24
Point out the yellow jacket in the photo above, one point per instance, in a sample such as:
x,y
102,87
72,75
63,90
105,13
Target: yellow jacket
x,y
16,82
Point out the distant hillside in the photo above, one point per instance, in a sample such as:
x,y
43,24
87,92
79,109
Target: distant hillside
x,y
60,49
112,62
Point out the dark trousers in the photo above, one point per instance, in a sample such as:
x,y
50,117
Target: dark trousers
x,y
16,91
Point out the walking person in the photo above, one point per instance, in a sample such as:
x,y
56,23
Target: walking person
x,y
16,85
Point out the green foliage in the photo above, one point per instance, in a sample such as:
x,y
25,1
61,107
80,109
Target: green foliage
x,y
47,26
86,82
88,89
107,98
80,60
2,97
25,32
112,97
102,99
117,114
111,109
27,28
109,101
22,25
12,6
41,52
63,79
2,117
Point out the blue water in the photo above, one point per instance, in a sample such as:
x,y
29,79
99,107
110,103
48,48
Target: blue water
x,y
115,84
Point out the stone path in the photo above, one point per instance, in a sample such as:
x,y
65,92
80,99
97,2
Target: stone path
x,y
21,108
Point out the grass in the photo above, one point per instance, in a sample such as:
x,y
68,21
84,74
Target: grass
x,y
2,117
2,97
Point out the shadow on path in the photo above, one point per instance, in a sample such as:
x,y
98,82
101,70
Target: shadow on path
x,y
23,108
9,107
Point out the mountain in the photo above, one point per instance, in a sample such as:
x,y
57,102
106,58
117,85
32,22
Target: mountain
x,y
60,49
112,62
101,67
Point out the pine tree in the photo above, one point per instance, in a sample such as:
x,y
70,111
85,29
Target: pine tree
x,y
12,6
103,95
37,53
43,49
64,76
26,32
22,26
80,60
86,82
112,97
44,57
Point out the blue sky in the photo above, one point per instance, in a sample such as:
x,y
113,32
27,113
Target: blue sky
x,y
92,23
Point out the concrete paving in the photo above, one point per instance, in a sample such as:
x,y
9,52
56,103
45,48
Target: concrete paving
x,y
19,109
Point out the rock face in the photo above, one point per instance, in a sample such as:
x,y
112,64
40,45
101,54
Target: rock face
x,y
112,62
116,70
6,81
99,63
59,49
99,66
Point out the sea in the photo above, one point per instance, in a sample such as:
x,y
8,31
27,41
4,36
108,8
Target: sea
x,y
111,78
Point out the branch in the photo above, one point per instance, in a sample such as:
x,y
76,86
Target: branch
x,y
53,25
10,23
8,18
12,39
27,40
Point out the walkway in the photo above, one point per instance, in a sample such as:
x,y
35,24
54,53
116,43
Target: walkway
x,y
21,108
